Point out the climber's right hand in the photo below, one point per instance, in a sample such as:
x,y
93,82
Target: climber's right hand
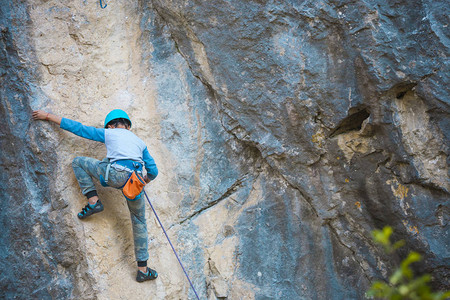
x,y
40,115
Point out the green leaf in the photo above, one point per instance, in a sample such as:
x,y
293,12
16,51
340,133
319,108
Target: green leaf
x,y
382,236
414,256
387,230
406,270
378,289
398,244
403,290
396,277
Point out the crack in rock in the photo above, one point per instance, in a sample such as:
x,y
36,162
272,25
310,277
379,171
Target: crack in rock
x,y
231,190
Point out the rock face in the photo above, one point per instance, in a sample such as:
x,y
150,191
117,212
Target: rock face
x,y
285,132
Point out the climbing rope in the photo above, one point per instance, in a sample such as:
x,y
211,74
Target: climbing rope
x,y
185,273
101,5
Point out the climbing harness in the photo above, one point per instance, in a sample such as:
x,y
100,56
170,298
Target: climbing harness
x,y
104,180
185,273
101,5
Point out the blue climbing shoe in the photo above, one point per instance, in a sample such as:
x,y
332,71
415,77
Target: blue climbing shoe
x,y
90,210
150,275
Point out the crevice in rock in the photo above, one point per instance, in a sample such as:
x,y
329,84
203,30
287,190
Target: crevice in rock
x,y
394,161
433,187
400,94
318,119
231,190
302,193
354,254
400,90
352,122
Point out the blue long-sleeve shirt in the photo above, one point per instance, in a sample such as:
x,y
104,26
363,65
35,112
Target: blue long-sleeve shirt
x,y
122,145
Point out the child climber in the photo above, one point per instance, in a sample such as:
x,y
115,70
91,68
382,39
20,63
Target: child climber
x,y
125,154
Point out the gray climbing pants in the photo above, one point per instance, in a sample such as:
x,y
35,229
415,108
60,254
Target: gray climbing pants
x,y
87,168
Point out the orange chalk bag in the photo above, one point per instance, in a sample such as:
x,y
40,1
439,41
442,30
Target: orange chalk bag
x,y
134,186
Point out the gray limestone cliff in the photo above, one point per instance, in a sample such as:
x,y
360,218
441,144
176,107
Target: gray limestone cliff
x,y
284,131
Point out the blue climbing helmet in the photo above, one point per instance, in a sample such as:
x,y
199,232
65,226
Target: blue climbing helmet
x,y
116,114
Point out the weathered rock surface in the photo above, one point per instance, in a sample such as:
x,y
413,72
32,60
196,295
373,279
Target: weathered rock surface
x,y
284,133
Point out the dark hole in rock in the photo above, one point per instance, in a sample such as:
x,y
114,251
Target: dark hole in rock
x,y
351,123
400,95
400,89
